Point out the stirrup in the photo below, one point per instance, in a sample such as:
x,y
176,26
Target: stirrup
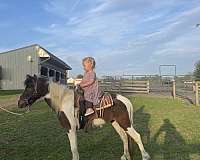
x,y
87,114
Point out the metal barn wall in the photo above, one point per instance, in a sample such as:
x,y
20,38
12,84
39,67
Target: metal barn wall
x,y
15,66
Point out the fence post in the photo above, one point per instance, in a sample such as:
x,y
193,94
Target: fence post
x,y
196,93
174,89
193,86
148,87
120,81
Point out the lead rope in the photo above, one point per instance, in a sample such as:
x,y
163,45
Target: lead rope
x,y
14,113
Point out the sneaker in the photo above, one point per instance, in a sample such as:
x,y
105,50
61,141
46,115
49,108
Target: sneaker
x,y
89,111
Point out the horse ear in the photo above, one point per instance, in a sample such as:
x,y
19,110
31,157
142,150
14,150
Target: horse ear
x,y
28,76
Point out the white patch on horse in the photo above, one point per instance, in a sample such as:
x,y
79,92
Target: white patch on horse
x,y
128,105
124,138
67,107
137,138
62,99
73,144
98,122
76,114
57,93
47,96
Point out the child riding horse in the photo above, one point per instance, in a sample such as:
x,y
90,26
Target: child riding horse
x,y
89,84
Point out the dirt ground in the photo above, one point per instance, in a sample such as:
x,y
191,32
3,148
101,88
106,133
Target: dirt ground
x,y
9,101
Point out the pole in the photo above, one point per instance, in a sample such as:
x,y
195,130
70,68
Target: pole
x,y
174,89
196,94
148,87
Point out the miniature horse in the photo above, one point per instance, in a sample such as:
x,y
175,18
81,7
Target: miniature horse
x,y
62,101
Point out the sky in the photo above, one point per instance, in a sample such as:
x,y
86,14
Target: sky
x,y
124,36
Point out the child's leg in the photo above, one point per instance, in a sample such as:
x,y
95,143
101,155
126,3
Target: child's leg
x,y
89,106
82,119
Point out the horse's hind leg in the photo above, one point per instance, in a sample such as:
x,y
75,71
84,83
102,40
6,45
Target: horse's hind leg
x,y
136,136
124,138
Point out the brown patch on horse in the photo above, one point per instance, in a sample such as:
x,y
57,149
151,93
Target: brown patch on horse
x,y
64,120
118,112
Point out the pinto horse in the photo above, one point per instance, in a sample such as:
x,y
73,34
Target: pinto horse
x,y
62,100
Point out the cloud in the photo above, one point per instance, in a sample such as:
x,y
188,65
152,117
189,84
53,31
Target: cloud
x,y
124,36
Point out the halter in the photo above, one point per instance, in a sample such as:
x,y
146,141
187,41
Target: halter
x,y
35,93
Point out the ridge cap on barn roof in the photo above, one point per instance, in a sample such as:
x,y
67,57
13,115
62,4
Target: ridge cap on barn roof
x,y
10,50
49,53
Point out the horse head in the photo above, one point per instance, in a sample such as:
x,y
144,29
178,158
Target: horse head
x,y
35,88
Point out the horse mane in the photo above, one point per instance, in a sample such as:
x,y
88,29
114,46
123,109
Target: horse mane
x,y
57,93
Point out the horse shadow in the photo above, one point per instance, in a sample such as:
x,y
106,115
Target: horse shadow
x,y
173,147
141,123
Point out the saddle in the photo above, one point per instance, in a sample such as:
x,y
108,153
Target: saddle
x,y
106,101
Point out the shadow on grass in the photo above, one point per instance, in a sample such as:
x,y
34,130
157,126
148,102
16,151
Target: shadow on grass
x,y
141,124
141,119
173,145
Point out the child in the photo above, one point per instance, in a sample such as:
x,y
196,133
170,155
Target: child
x,y
89,84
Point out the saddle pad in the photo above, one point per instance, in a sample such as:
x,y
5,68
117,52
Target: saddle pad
x,y
106,101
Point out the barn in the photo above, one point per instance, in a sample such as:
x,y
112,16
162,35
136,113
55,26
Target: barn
x,y
34,59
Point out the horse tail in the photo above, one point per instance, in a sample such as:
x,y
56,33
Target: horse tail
x,y
128,105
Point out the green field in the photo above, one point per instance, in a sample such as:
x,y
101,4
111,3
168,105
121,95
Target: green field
x,y
10,92
170,131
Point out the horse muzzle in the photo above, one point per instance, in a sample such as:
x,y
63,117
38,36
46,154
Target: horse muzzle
x,y
22,104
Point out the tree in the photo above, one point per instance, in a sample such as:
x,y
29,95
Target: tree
x,y
197,71
79,76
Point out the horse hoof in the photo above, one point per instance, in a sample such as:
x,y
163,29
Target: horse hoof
x,y
146,156
123,157
27,111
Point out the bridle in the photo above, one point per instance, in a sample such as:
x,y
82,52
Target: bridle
x,y
34,94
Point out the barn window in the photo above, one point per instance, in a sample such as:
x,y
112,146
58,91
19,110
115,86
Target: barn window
x,y
57,76
51,73
62,76
44,71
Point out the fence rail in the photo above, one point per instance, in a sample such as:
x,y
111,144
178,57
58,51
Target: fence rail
x,y
181,86
125,86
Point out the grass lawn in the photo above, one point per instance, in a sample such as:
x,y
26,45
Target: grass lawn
x,y
170,131
10,92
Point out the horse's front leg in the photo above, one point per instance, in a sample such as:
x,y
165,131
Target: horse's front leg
x,y
73,144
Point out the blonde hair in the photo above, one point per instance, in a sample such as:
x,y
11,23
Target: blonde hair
x,y
91,60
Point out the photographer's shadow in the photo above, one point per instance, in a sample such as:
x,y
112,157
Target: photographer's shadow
x,y
174,145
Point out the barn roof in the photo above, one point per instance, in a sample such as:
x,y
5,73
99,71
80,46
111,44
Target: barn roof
x,y
54,58
43,54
